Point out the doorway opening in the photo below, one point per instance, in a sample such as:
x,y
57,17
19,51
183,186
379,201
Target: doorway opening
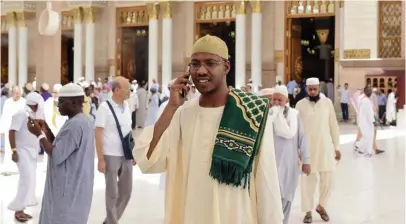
x,y
67,61
311,48
134,53
226,32
4,58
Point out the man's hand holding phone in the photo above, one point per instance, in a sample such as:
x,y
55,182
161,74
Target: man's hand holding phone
x,y
177,89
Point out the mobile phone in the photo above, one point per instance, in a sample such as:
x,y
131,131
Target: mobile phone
x,y
184,93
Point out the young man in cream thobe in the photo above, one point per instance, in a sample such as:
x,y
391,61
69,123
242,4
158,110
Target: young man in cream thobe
x,y
391,107
25,146
322,132
207,178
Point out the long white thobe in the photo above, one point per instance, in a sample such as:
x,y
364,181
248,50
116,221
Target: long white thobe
x,y
10,107
366,124
191,195
391,108
322,132
27,146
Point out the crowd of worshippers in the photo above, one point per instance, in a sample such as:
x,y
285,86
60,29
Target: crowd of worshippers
x,y
225,155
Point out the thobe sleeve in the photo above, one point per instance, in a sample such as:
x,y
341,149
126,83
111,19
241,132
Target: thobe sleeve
x,y
168,143
269,201
66,143
17,121
334,128
302,143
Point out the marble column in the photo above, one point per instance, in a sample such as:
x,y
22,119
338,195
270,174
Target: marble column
x,y
90,19
22,48
256,45
166,44
77,44
153,9
12,48
240,45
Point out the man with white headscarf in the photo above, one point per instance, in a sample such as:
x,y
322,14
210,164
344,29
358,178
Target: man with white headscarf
x,y
291,147
24,147
323,133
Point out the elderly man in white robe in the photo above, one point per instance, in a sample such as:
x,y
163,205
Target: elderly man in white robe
x,y
215,173
291,149
366,119
24,147
323,134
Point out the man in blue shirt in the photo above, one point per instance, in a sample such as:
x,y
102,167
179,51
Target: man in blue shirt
x,y
382,105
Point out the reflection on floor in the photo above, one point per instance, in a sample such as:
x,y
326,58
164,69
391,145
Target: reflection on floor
x,y
367,190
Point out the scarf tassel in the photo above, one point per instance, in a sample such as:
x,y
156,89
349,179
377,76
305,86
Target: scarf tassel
x,y
228,173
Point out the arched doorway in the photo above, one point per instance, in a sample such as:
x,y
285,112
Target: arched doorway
x,y
218,19
4,50
132,43
310,40
67,44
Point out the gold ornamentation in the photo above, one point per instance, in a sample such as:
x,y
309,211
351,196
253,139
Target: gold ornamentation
x,y
111,62
298,68
240,7
67,20
256,6
153,11
322,34
166,10
22,18
77,15
337,54
341,4
278,56
11,19
357,54
90,14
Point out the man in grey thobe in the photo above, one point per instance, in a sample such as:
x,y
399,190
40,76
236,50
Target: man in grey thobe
x,y
291,147
70,172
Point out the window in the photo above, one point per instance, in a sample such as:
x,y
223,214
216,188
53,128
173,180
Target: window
x,y
390,29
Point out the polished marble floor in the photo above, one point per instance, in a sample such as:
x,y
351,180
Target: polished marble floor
x,y
367,190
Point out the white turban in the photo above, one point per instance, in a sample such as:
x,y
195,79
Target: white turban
x,y
71,90
33,99
281,90
266,92
312,81
85,84
56,88
134,81
45,86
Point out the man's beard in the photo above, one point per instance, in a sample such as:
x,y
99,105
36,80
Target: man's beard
x,y
314,98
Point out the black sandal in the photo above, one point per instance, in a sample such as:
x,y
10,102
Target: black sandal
x,y
323,214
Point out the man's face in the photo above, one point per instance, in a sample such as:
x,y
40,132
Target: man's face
x,y
34,108
313,90
279,100
64,105
394,90
346,86
16,94
208,72
249,89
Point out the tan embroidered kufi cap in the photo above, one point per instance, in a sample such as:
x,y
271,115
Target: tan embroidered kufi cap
x,y
211,44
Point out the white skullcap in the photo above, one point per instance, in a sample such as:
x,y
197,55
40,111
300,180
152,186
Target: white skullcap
x,y
266,92
134,81
33,98
312,81
45,86
28,86
81,79
249,84
71,90
56,88
374,89
93,83
281,90
85,84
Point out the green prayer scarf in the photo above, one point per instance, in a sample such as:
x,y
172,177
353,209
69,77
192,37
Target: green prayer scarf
x,y
239,138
